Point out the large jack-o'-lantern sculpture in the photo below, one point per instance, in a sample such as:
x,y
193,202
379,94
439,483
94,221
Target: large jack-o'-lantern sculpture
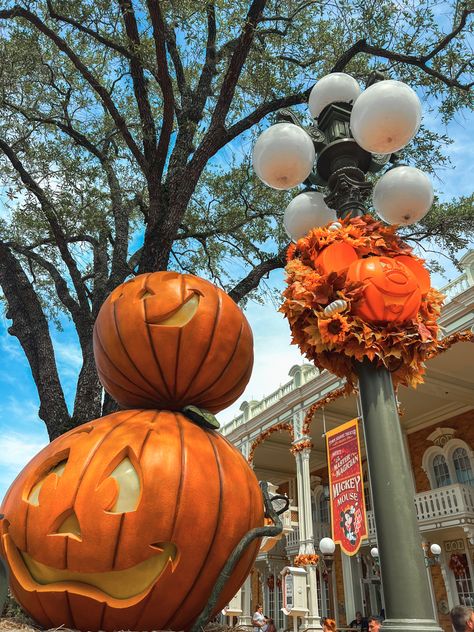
x,y
127,521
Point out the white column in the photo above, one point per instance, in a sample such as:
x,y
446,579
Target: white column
x,y
246,616
305,519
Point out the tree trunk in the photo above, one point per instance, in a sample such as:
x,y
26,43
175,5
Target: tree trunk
x,y
30,326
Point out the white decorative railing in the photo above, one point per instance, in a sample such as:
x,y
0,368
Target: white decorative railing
x,y
459,285
449,501
452,501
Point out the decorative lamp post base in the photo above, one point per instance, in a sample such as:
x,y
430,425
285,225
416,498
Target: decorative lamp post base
x,y
411,625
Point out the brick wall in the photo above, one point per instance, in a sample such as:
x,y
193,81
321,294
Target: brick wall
x,y
418,444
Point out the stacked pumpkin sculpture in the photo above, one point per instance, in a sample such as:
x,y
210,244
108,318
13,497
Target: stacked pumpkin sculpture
x,y
126,522
355,290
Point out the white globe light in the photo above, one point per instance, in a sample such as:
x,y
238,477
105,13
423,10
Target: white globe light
x,y
403,195
385,117
374,552
435,549
327,546
304,212
283,156
333,88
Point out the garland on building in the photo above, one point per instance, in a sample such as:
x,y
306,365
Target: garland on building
x,y
343,391
266,433
302,445
334,338
309,559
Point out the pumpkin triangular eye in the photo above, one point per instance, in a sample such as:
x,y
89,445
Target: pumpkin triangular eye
x,y
58,469
70,526
128,483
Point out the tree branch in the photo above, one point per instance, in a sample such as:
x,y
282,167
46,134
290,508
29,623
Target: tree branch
x,y
361,46
251,281
445,41
103,94
57,231
139,82
164,81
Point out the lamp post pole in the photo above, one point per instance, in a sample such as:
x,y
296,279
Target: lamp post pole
x,y
384,119
402,566
343,164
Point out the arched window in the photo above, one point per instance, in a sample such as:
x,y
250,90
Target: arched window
x,y
462,467
441,471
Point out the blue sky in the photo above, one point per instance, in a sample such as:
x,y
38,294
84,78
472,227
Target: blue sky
x,y
22,433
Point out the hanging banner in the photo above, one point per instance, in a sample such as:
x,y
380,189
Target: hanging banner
x,y
346,486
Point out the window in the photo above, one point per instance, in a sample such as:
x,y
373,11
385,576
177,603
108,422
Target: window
x,y
462,466
449,464
441,471
323,509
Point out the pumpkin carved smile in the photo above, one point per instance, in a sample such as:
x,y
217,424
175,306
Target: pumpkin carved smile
x,y
123,584
176,317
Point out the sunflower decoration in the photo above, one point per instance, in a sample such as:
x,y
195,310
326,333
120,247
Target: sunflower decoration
x,y
355,290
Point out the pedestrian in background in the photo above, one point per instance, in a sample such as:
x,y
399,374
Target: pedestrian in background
x,y
462,618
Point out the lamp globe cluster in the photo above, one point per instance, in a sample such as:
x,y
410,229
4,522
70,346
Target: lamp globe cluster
x,y
383,119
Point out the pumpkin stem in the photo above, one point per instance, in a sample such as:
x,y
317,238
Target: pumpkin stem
x,y
201,417
250,536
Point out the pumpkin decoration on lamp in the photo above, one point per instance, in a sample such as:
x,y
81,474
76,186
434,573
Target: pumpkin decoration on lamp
x,y
356,290
127,521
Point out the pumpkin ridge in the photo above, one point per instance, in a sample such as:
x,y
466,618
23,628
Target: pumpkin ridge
x,y
228,394
69,609
211,339
181,469
167,625
96,330
38,597
117,540
122,388
102,615
128,355
155,357
176,366
210,385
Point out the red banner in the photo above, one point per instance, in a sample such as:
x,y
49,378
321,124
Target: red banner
x,y
346,485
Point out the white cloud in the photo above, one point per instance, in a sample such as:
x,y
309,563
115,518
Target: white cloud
x,y
17,450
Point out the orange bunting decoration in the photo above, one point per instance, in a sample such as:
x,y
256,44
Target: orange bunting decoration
x,y
167,340
377,303
126,522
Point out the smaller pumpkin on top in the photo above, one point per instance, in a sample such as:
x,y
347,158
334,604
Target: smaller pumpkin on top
x,y
167,340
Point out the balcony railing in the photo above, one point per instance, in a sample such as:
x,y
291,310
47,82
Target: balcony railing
x,y
453,504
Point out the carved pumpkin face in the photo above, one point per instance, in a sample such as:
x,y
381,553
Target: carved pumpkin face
x,y
392,292
126,522
167,340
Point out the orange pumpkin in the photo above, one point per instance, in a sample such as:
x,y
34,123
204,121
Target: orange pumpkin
x,y
167,340
127,521
336,258
392,292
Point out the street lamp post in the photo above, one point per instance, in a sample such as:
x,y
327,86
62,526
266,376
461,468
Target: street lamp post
x,y
357,133
327,548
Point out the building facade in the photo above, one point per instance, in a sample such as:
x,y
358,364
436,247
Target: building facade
x,y
287,448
